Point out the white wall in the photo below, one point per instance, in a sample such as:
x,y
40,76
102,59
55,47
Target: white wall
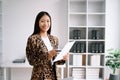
x,y
113,24
18,23
112,27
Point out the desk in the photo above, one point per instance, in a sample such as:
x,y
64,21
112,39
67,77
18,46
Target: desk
x,y
10,65
13,65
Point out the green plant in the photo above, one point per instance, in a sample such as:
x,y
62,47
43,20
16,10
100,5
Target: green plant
x,y
113,59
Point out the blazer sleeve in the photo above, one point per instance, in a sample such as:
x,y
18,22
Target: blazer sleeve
x,y
35,55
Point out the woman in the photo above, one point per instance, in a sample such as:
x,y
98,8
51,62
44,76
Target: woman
x,y
41,49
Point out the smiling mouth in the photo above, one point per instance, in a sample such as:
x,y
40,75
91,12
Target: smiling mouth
x,y
45,27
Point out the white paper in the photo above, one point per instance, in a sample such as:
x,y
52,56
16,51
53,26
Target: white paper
x,y
64,51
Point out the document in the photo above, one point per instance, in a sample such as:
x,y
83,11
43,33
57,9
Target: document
x,y
64,51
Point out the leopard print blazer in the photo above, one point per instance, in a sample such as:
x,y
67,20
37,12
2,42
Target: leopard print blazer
x,y
37,55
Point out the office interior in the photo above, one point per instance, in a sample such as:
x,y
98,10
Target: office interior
x,y
18,18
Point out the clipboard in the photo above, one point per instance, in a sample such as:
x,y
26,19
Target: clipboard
x,y
64,51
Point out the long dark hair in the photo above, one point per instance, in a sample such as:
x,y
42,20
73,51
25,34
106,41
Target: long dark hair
x,y
36,25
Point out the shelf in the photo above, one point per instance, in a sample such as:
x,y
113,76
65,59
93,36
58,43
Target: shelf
x,y
86,53
86,26
77,0
95,73
95,53
96,47
79,47
77,13
78,20
96,26
96,33
96,0
97,79
77,60
72,66
77,33
77,6
96,6
96,39
96,20
96,13
79,73
95,60
77,53
77,40
73,26
102,67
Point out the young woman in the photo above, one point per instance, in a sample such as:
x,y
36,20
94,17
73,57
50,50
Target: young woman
x,y
41,49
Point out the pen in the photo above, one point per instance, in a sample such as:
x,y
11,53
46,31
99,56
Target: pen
x,y
58,50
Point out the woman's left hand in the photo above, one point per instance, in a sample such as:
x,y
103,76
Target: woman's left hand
x,y
66,56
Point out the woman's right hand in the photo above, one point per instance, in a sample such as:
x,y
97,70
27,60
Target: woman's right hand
x,y
51,54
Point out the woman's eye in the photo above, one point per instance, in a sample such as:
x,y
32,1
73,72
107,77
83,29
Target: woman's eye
x,y
42,21
48,21
45,21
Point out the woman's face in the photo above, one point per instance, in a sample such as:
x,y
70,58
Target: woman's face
x,y
44,23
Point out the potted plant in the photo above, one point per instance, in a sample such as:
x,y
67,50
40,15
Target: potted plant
x,y
113,61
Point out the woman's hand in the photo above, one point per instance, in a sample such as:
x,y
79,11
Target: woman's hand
x,y
51,54
65,57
